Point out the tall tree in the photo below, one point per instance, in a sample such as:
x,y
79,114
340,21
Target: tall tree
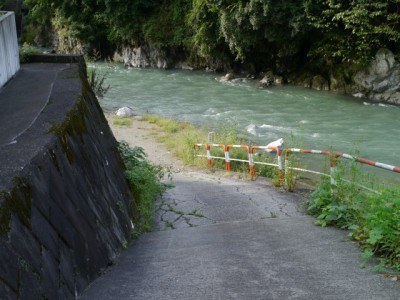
x,y
205,38
354,30
255,31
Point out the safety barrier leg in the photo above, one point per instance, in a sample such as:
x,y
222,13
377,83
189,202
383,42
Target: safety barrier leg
x,y
227,159
251,164
209,160
280,166
287,167
332,168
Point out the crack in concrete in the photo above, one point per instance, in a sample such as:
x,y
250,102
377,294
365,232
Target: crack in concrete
x,y
169,205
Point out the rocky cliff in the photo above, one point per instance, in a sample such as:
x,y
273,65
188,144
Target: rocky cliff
x,y
147,56
380,81
65,206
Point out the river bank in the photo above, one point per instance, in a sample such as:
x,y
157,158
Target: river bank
x,y
143,134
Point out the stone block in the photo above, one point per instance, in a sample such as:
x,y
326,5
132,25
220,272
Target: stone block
x,y
6,293
49,274
62,225
24,244
8,265
67,272
44,232
29,283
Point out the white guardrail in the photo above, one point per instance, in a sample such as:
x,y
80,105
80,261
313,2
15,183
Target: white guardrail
x,y
9,56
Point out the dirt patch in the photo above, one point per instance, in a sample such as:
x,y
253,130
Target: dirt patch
x,y
143,134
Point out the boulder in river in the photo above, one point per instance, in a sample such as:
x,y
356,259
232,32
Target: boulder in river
x,y
267,81
125,112
228,77
270,78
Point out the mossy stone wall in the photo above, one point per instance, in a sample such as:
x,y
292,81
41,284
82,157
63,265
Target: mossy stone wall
x,y
61,189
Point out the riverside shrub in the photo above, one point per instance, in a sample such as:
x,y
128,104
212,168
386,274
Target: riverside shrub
x,y
144,180
373,219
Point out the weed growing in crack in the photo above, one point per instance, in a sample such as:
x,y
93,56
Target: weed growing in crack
x,y
121,206
196,214
167,207
169,224
273,215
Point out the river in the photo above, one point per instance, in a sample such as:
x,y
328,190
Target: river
x,y
315,119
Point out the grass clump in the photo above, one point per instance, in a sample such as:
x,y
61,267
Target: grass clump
x,y
179,138
122,121
144,180
373,219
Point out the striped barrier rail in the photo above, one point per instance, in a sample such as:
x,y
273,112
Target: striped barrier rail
x,y
368,162
332,159
332,156
250,152
278,154
250,161
311,151
208,152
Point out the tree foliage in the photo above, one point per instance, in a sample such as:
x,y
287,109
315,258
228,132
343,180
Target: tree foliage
x,y
354,30
280,34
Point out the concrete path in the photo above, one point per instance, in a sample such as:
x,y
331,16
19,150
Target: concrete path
x,y
221,238
24,97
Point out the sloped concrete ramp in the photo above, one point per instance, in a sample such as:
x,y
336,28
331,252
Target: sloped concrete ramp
x,y
222,238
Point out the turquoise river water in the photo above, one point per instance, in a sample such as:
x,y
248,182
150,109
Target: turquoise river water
x,y
316,120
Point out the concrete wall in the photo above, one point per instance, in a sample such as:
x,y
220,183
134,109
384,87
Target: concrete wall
x,y
65,206
9,56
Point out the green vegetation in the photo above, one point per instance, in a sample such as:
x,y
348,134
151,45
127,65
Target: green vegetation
x,y
122,121
26,51
18,202
180,137
257,35
373,219
97,82
144,179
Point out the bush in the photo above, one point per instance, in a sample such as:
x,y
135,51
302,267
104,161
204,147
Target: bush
x,y
373,219
26,51
97,83
144,180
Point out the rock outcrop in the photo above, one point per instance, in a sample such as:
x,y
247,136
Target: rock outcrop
x,y
144,57
381,80
147,56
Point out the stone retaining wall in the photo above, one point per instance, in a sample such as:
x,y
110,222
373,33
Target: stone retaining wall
x,y
65,206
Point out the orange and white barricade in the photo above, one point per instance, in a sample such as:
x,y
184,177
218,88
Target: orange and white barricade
x,y
250,160
278,154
